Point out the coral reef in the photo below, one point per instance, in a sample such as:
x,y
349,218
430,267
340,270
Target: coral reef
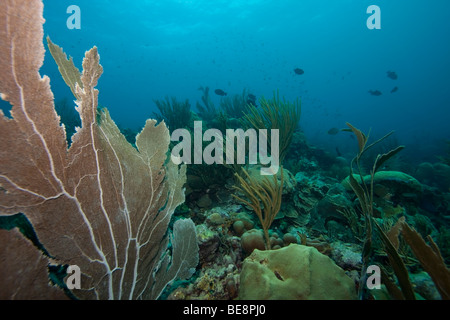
x,y
428,255
109,200
435,175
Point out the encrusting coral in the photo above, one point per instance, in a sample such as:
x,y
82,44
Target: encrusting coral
x,y
101,204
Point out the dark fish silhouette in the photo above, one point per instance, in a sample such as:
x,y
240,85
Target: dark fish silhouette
x,y
392,75
299,71
375,92
220,92
394,89
333,131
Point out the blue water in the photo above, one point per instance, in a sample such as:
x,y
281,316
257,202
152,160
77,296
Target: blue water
x,y
151,49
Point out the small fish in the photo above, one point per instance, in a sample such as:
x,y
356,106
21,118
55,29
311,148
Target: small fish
x,y
392,75
375,92
394,90
220,92
333,131
299,71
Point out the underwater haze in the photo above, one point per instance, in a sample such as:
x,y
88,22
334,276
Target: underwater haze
x,y
351,202
151,49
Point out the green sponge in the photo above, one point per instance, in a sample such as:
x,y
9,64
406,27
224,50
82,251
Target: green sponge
x,y
295,272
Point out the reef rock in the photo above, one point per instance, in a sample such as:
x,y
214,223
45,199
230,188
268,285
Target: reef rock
x,y
328,208
208,242
295,272
435,175
308,194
